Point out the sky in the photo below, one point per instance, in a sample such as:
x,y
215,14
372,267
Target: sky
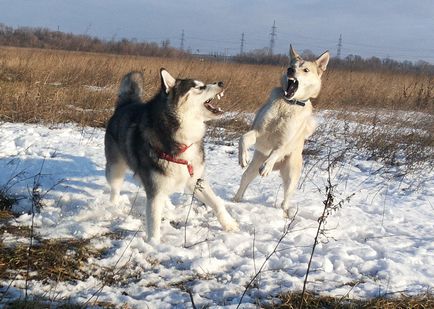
x,y
398,29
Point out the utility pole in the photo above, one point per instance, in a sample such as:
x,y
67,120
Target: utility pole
x,y
272,34
338,54
182,40
242,44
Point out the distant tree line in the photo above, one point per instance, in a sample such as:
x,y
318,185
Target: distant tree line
x,y
46,38
350,62
355,62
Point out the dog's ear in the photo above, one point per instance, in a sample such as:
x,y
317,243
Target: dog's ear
x,y
294,55
167,80
323,60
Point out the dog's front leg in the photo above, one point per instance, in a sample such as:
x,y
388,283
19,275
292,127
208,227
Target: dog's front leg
x,y
246,141
154,207
203,192
268,165
281,151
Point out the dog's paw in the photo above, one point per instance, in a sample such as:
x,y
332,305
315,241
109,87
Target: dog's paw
x,y
228,223
153,241
231,226
115,198
266,168
288,211
237,198
243,158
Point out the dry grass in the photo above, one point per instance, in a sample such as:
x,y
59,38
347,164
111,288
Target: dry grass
x,y
40,304
53,259
390,90
312,301
395,138
56,86
53,86
6,201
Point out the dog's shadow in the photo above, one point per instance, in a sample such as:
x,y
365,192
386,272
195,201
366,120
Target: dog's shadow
x,y
61,176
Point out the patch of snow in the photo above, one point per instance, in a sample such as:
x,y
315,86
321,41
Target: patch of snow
x,y
381,240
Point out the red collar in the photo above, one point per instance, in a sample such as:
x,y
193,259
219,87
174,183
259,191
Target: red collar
x,y
182,148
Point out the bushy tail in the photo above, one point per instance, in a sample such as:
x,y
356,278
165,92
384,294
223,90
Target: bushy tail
x,y
130,89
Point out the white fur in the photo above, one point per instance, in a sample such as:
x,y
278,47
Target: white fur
x,y
280,129
169,81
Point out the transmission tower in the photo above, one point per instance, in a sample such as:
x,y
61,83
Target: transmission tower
x,y
242,44
338,54
272,34
182,40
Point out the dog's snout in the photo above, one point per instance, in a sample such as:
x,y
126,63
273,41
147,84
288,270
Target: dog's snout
x,y
290,72
220,84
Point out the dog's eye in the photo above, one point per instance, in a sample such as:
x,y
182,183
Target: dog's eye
x,y
306,70
201,87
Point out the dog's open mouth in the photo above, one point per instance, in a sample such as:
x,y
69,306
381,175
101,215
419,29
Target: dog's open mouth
x,y
212,108
292,87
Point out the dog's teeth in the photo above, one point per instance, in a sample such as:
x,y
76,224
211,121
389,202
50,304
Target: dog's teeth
x,y
221,94
218,96
286,93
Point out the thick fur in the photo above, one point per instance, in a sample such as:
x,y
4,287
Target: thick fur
x,y
139,131
280,128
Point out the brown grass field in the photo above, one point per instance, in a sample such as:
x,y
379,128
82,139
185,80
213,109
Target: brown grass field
x,y
57,86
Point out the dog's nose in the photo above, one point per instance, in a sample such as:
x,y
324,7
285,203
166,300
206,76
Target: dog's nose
x,y
220,84
290,72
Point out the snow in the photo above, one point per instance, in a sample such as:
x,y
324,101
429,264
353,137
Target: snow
x,y
380,241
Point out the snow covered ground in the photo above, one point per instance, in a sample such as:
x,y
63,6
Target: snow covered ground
x,y
379,242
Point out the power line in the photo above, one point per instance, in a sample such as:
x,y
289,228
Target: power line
x,y
273,34
242,44
338,53
210,40
182,40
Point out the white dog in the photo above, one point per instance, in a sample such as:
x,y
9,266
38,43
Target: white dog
x,y
282,125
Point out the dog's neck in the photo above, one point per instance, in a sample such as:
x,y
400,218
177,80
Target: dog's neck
x,y
190,131
295,102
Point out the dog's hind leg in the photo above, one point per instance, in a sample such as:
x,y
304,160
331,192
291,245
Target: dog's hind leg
x,y
246,141
154,208
115,168
115,172
204,193
290,172
249,174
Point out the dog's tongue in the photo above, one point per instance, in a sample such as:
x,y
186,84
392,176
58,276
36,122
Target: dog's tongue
x,y
292,88
213,109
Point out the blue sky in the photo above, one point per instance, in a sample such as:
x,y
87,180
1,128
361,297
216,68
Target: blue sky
x,y
384,28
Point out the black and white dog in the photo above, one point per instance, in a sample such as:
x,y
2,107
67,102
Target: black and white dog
x,y
161,141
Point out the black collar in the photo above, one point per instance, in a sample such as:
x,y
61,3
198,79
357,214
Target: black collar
x,y
295,102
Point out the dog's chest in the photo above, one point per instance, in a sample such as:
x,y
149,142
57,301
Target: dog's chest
x,y
281,124
190,132
284,118
182,169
